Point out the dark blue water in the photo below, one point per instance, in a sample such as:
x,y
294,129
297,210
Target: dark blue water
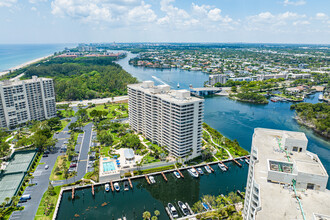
x,y
12,55
234,119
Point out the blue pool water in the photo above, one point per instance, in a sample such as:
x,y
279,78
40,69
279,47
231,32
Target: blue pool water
x,y
108,166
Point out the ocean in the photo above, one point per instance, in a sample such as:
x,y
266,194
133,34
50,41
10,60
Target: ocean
x,y
12,55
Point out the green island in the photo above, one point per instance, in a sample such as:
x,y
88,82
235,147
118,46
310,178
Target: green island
x,y
314,116
249,97
80,78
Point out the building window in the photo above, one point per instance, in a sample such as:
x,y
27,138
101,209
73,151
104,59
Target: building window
x,y
310,186
295,149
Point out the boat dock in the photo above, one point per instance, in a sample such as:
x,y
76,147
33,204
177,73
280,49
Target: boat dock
x,y
180,173
191,212
223,164
240,165
130,182
112,188
164,176
169,213
147,179
210,167
93,193
72,192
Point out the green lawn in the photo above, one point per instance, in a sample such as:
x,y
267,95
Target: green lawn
x,y
105,151
40,215
59,162
68,113
109,109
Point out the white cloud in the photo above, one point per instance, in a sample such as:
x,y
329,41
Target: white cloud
x,y
7,3
33,9
294,3
274,22
321,16
36,1
114,12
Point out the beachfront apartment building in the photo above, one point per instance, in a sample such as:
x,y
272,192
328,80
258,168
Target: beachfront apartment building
x,y
170,118
285,181
26,100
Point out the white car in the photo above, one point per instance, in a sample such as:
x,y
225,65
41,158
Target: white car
x,y
46,167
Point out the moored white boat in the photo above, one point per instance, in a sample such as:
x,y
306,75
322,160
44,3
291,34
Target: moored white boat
x,y
176,174
200,171
107,187
152,179
207,169
116,186
172,210
247,161
193,172
183,208
222,167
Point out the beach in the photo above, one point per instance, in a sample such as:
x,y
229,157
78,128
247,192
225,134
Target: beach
x,y
24,65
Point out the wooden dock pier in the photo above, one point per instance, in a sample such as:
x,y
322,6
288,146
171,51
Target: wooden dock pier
x,y
112,188
147,179
180,173
93,193
130,182
72,192
223,164
240,165
164,176
210,167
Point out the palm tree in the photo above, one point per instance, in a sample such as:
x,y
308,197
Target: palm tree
x,y
146,215
3,205
157,213
154,218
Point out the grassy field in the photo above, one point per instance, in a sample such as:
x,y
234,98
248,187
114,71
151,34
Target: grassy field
x,y
67,113
110,108
40,215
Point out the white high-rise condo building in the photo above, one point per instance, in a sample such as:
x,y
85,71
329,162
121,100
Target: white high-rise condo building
x,y
25,100
217,78
170,118
285,181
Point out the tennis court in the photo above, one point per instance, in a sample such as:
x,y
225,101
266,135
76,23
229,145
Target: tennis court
x,y
20,162
9,184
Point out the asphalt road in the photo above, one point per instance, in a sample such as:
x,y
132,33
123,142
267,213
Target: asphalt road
x,y
41,175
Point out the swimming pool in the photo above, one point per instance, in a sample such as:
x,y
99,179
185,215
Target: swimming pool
x,y
108,166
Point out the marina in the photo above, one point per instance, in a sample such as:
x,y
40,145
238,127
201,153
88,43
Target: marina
x,y
150,197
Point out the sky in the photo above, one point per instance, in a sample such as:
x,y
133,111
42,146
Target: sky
x,y
223,21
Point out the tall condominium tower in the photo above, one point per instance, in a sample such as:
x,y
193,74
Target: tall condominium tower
x,y
170,118
25,100
285,181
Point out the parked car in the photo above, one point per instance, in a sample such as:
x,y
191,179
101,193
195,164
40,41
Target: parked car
x,y
46,152
71,169
73,165
25,198
45,155
46,167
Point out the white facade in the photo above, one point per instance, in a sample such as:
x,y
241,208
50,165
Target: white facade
x,y
22,101
280,163
217,78
170,118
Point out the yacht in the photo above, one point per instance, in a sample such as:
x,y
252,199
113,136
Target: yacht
x,y
152,179
207,169
200,171
176,174
178,85
183,208
117,188
107,187
193,172
126,186
321,97
222,167
172,210
247,161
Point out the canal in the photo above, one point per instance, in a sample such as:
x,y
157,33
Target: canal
x,y
144,197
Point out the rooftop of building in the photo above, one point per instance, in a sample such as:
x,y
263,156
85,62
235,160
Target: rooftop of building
x,y
20,82
278,200
179,97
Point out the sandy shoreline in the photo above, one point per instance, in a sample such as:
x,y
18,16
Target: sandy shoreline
x,y
24,65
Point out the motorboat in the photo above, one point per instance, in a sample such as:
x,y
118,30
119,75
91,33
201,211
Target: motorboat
x,y
126,186
241,159
200,171
176,174
222,167
117,187
207,169
247,161
193,172
152,179
205,206
172,210
178,85
107,187
183,208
